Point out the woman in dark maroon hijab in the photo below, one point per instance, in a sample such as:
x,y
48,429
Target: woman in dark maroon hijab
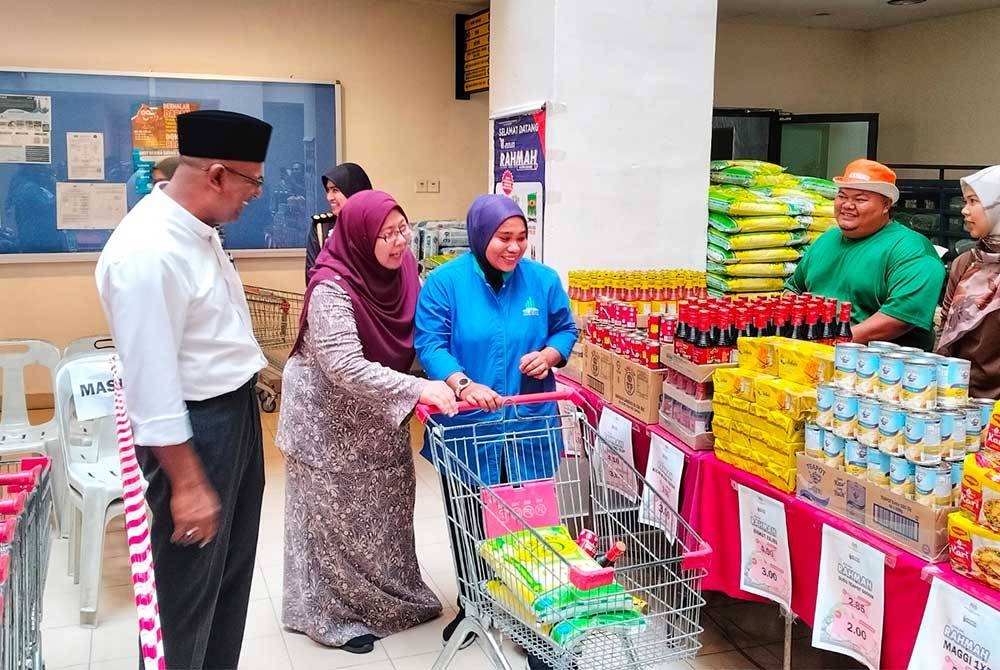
x,y
351,573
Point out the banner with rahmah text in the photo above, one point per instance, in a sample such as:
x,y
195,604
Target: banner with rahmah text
x,y
519,169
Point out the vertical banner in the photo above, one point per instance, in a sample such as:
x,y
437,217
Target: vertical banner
x,y
958,632
766,565
519,169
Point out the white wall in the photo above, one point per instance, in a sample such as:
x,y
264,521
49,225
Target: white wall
x,y
628,130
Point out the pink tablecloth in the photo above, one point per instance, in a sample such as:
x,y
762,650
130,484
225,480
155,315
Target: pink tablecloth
x,y
709,503
716,518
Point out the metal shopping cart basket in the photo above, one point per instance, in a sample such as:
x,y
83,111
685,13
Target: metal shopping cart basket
x,y
640,612
25,509
275,318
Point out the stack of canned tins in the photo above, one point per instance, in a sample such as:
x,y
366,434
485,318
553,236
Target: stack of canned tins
x,y
901,416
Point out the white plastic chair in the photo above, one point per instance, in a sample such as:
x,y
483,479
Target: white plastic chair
x,y
17,435
95,489
91,344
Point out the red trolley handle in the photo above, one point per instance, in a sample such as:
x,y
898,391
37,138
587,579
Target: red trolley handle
x,y
13,506
7,529
24,480
697,559
424,412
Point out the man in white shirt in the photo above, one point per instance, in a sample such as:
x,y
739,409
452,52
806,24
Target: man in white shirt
x,y
182,328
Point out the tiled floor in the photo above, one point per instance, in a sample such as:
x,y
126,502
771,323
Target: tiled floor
x,y
737,634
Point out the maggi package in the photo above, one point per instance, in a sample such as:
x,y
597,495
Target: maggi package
x,y
974,551
771,255
540,579
759,354
981,489
805,362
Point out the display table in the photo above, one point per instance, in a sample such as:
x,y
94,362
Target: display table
x,y
710,503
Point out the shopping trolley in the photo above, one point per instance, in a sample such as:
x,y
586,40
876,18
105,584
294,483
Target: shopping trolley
x,y
275,318
640,612
25,508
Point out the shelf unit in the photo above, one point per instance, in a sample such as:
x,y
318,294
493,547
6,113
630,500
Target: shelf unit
x,y
930,200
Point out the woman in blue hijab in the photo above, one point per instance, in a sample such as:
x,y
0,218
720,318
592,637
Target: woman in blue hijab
x,y
494,324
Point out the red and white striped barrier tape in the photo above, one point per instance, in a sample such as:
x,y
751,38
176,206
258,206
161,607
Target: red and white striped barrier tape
x,y
137,531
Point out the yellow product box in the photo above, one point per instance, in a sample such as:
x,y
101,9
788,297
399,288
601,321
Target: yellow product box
x,y
805,362
759,354
737,382
788,398
974,551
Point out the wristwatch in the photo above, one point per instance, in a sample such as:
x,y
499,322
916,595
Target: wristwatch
x,y
462,384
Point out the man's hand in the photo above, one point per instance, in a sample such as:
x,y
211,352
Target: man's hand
x,y
195,511
879,327
194,504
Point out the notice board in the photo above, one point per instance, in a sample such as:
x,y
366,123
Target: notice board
x,y
76,148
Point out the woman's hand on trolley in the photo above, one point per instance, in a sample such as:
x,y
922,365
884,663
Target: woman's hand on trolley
x,y
482,396
441,396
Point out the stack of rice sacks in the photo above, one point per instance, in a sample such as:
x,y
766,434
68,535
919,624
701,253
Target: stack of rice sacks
x,y
532,582
762,406
760,221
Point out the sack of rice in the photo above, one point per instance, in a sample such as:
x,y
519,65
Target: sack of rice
x,y
771,255
753,224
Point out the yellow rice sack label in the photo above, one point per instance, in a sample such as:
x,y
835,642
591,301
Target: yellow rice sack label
x,y
781,270
770,255
753,224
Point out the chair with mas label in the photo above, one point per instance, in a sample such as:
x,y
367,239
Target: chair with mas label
x,y
95,488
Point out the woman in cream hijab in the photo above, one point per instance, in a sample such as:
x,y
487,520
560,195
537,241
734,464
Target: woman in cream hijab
x,y
972,300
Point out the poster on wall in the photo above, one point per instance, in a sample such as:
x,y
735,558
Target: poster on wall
x,y
154,136
519,169
25,128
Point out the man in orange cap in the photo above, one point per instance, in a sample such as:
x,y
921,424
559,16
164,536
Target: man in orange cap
x,y
891,275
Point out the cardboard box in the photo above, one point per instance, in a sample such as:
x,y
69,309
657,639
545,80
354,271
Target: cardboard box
x,y
636,390
598,370
573,370
698,442
699,373
919,529
674,393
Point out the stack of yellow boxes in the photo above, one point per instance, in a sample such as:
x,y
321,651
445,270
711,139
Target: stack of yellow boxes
x,y
762,406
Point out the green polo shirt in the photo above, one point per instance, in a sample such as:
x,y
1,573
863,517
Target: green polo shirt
x,y
896,271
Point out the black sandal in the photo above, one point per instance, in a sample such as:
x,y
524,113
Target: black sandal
x,y
362,644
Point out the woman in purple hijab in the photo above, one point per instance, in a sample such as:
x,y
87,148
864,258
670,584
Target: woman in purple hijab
x,y
351,573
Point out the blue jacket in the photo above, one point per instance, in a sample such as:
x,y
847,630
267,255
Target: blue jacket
x,y
463,326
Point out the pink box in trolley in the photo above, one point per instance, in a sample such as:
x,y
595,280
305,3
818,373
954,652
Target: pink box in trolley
x,y
512,530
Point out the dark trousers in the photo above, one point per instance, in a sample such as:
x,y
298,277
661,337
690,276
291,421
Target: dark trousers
x,y
203,594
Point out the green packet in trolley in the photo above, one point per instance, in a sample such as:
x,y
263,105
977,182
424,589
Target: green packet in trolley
x,y
566,632
539,576
770,255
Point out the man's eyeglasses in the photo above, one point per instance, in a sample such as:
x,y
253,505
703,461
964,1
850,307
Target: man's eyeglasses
x,y
256,181
405,232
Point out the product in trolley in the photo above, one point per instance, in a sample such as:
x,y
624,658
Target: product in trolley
x,y
611,555
587,540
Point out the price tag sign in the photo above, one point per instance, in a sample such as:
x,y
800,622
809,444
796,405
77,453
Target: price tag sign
x,y
849,598
663,474
766,567
958,632
616,453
